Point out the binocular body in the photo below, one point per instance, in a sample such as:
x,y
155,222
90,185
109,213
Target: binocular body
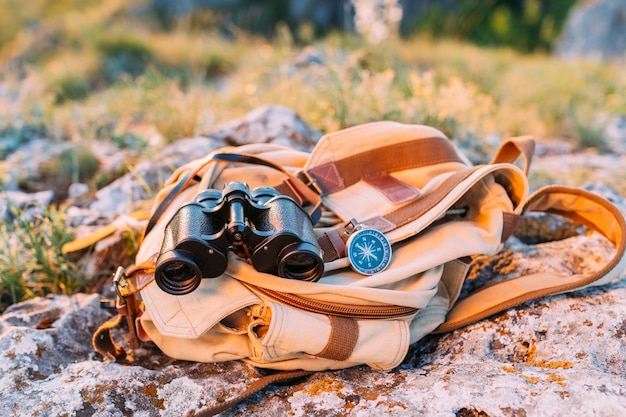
x,y
268,228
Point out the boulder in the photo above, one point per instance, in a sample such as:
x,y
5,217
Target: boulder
x,y
268,124
595,29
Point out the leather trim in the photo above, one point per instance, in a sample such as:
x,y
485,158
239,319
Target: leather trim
x,y
396,191
337,175
509,224
327,177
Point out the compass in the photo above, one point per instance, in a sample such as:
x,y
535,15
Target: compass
x,y
368,250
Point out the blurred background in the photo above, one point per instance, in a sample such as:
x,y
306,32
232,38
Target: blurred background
x,y
145,71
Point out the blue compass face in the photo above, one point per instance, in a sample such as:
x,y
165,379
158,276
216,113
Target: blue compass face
x,y
369,251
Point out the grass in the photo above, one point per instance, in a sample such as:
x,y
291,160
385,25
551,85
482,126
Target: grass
x,y
93,71
185,88
31,258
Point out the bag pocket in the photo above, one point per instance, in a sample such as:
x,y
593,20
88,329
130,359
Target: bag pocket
x,y
279,332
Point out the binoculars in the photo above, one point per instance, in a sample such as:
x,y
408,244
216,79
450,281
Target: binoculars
x,y
268,228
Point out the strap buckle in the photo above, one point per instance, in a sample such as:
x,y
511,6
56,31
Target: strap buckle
x,y
310,182
123,286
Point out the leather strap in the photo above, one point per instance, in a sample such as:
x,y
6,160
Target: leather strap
x,y
337,175
396,191
512,148
330,242
293,182
576,204
103,343
253,388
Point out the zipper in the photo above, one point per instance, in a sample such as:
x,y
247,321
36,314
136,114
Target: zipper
x,y
353,311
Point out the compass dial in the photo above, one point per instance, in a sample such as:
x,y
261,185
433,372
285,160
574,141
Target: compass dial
x,y
369,251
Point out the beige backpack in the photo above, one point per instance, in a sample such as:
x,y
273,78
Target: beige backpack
x,y
354,251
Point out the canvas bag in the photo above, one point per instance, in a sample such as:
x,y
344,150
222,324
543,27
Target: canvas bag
x,y
408,181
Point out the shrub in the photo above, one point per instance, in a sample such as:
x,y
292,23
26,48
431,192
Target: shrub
x,y
123,56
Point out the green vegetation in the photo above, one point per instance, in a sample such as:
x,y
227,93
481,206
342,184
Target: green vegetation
x,y
525,25
112,71
31,260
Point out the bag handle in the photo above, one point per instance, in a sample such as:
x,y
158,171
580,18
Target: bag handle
x,y
512,148
254,387
573,203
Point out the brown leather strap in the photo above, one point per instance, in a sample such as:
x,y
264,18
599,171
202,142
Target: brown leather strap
x,y
576,204
509,224
337,175
102,340
344,333
253,388
333,244
396,191
513,148
296,184
412,211
405,214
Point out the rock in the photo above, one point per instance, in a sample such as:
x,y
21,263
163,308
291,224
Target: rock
x,y
595,29
78,193
147,177
270,124
578,168
22,165
30,204
615,132
13,137
561,355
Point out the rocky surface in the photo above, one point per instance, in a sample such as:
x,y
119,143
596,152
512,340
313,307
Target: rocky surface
x,y
562,355
565,355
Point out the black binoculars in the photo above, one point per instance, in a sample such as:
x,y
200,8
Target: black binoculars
x,y
268,228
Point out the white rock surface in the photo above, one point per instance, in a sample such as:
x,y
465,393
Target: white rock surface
x,y
560,356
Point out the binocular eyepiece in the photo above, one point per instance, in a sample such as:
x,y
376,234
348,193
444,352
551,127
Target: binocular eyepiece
x,y
271,229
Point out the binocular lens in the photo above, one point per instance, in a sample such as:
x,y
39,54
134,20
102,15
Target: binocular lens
x,y
301,264
178,277
178,271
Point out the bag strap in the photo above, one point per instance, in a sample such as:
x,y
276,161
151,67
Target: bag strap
x,y
512,148
575,204
337,175
333,241
292,186
256,386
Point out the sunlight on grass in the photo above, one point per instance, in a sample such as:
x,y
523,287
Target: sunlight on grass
x,y
183,85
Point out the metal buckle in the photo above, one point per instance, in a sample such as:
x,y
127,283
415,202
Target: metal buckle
x,y
311,182
123,286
